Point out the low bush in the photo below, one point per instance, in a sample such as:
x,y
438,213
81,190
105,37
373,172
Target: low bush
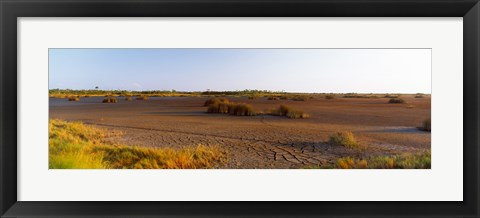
x,y
242,110
396,101
345,139
110,100
426,125
295,114
128,98
237,109
289,112
329,96
73,98
142,98
300,98
272,98
215,101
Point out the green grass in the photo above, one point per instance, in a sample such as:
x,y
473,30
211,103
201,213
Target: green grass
x,y
73,145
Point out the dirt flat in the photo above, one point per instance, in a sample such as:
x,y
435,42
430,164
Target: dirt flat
x,y
262,141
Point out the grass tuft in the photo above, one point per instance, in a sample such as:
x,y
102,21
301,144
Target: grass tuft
x,y
300,98
73,98
426,125
110,100
142,98
128,98
396,101
215,101
237,109
273,98
329,97
345,139
289,112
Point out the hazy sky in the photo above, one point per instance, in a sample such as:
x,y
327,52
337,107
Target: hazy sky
x,y
291,70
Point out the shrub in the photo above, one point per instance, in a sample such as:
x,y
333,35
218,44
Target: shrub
x,y
391,96
272,98
426,125
396,101
144,98
215,101
300,98
283,97
289,112
283,110
419,95
344,139
243,110
73,98
330,96
297,114
128,98
237,109
110,100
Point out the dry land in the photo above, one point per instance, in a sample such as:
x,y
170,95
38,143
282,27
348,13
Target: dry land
x,y
262,141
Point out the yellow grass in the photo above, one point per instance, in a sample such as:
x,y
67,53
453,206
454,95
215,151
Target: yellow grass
x,y
426,125
73,145
404,161
110,100
345,138
73,98
144,98
289,112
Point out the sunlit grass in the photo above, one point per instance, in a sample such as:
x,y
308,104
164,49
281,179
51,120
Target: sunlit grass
x,y
73,145
346,139
401,161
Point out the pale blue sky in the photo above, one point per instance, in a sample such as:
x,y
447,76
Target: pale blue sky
x,y
291,70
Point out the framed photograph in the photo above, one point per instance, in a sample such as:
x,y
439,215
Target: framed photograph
x,y
224,108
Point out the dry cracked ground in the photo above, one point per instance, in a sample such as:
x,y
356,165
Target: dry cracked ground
x,y
262,141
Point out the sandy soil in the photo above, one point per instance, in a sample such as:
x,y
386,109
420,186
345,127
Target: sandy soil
x,y
262,141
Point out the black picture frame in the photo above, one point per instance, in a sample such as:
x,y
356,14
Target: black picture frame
x,y
10,10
